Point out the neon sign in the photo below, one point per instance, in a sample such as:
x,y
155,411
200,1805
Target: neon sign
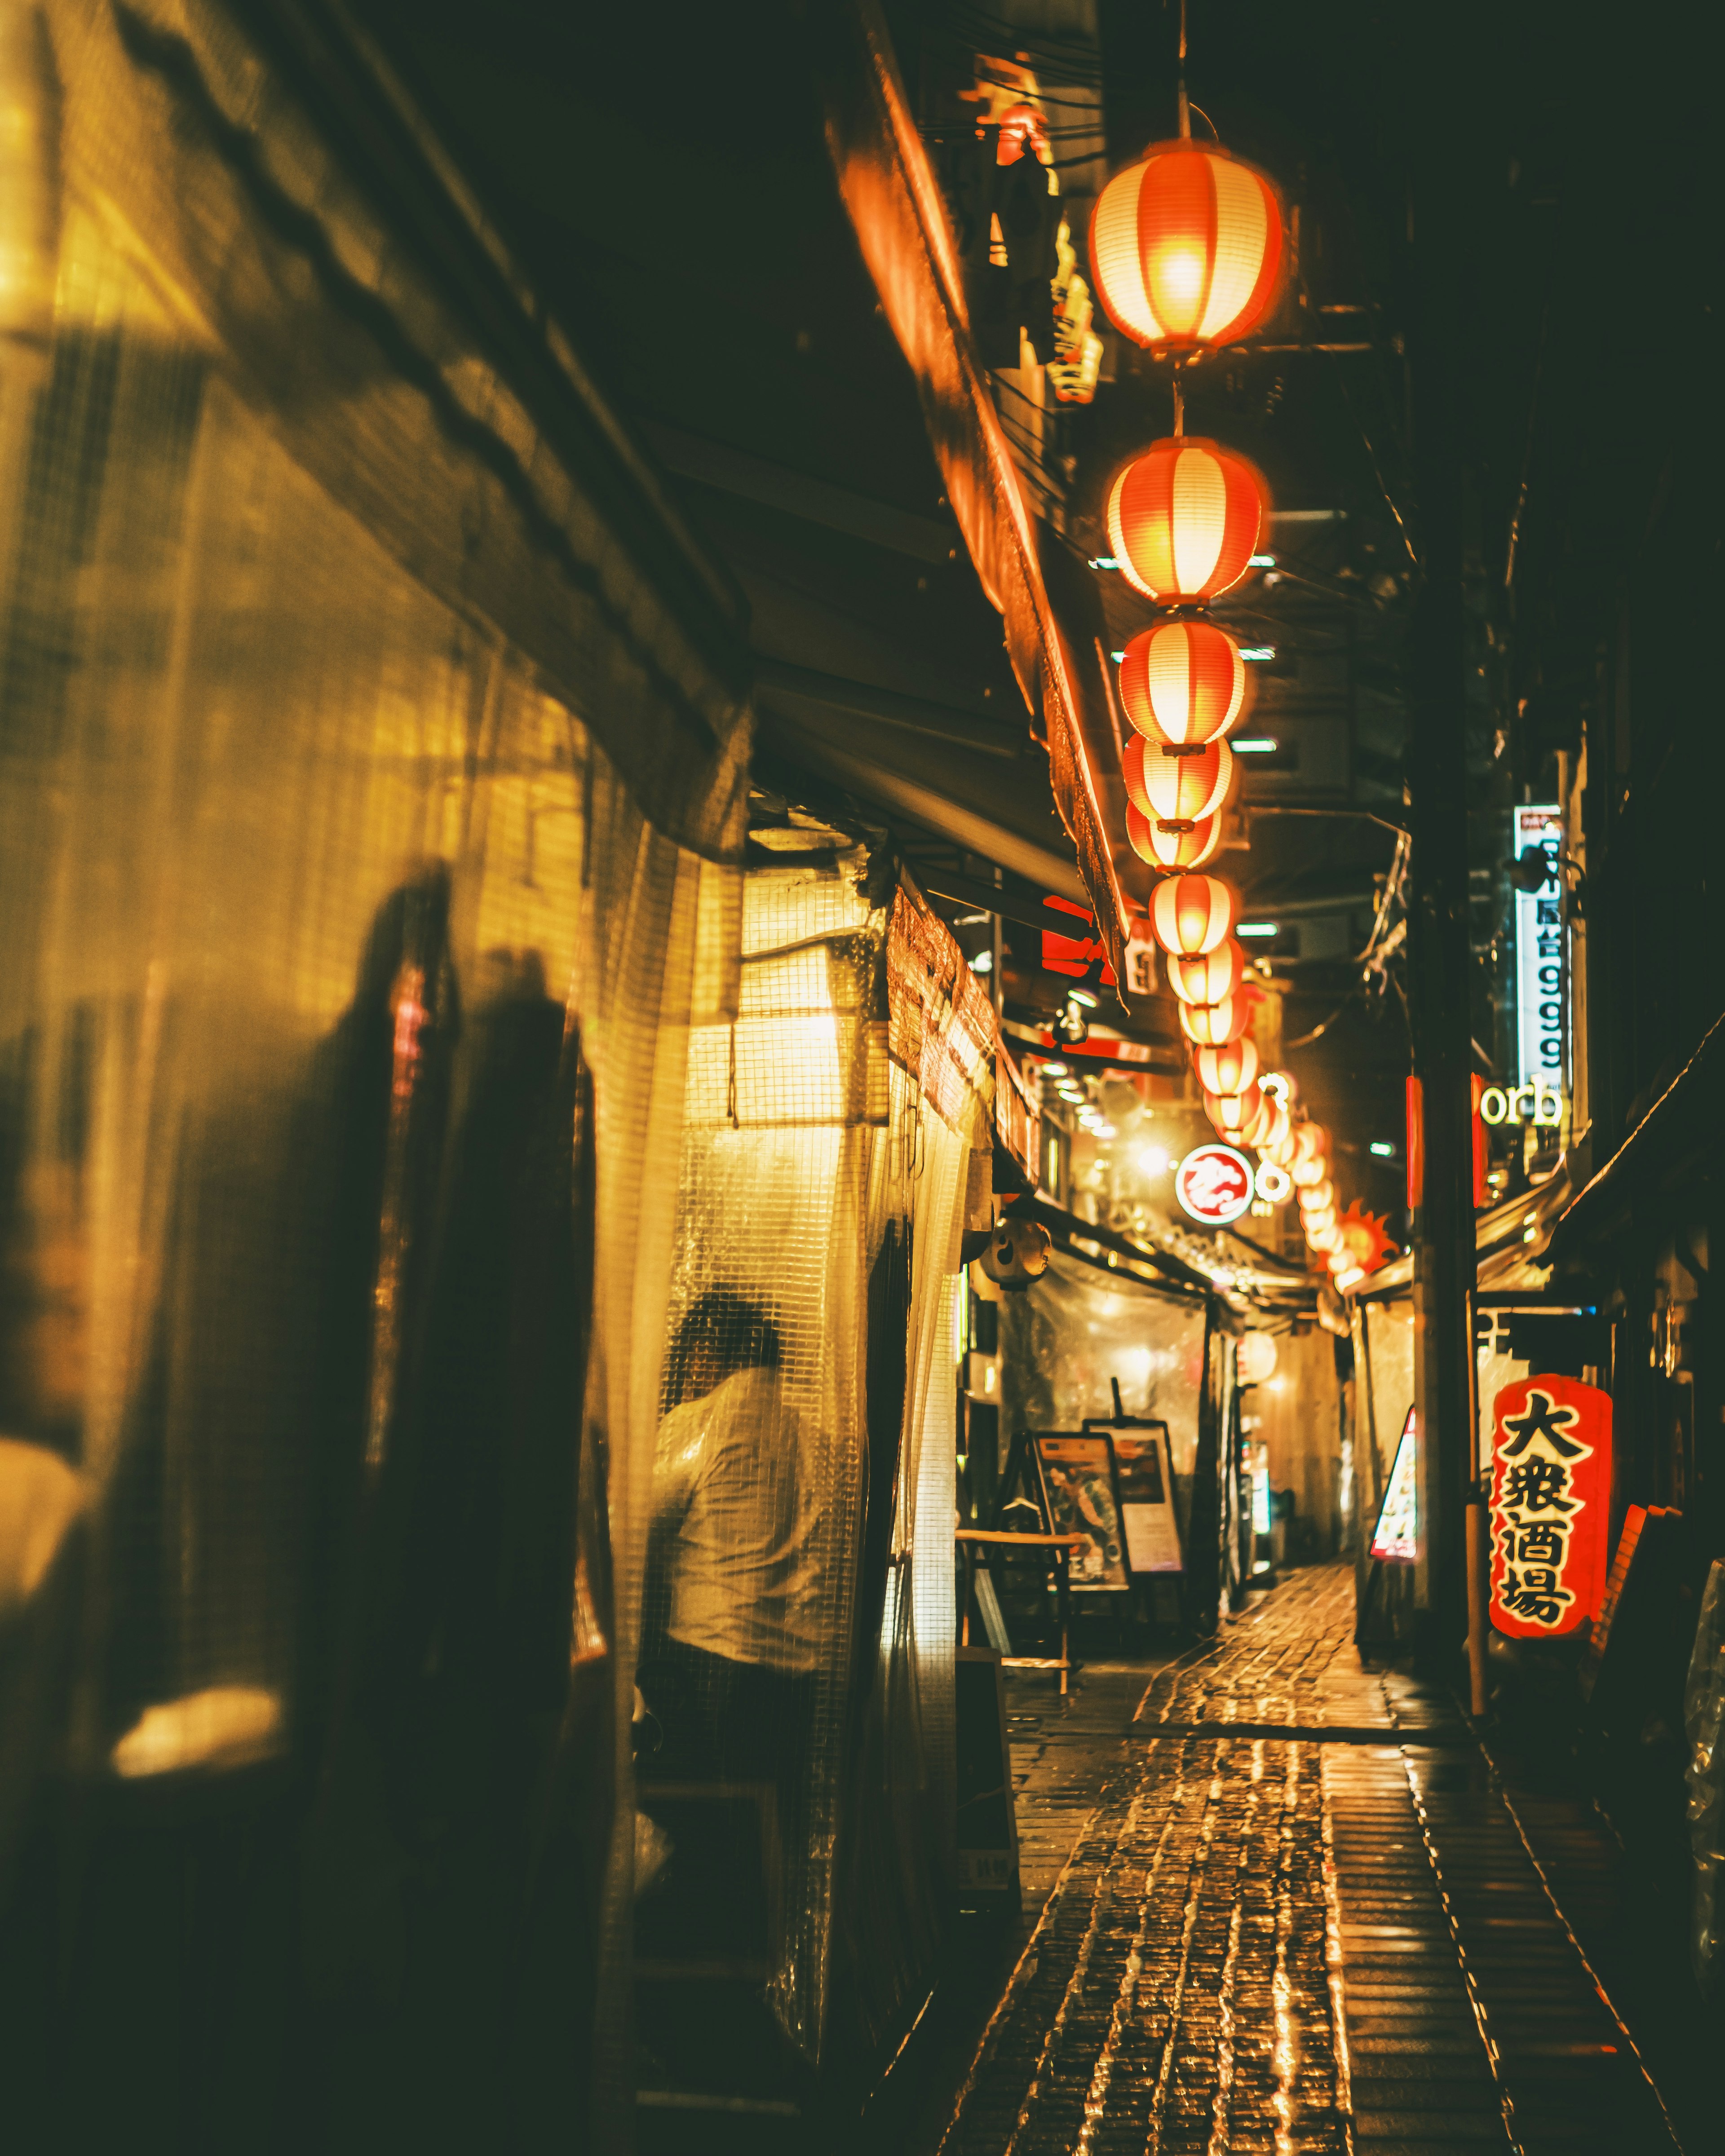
x,y
1539,951
1500,1104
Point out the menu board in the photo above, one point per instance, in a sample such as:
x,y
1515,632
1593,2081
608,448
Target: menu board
x,y
1144,1470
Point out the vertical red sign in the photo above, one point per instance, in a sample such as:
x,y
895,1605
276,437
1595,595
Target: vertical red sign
x,y
1416,1145
1477,1093
1551,1502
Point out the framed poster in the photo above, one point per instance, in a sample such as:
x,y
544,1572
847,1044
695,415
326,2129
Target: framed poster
x,y
1144,1475
1083,1498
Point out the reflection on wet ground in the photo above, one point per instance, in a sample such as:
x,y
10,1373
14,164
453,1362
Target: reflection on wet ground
x,y
1278,1902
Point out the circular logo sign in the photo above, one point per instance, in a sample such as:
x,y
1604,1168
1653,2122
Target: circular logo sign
x,y
1275,1186
1213,1183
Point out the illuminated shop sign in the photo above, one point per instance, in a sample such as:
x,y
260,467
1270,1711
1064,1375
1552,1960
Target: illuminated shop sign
x,y
1214,1184
1551,1488
1395,1539
1539,953
1531,1103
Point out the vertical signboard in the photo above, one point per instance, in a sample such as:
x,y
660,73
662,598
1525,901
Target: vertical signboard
x,y
1395,1539
1539,952
1551,1499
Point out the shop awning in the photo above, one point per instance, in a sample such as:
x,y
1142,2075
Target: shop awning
x,y
1659,1155
895,203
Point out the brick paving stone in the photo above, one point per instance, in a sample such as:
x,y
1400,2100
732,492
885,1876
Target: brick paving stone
x,y
1292,1943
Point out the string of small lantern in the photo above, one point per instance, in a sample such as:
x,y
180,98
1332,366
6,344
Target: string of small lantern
x,y
1189,251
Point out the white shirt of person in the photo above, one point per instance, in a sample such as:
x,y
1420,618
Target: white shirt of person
x,y
740,1536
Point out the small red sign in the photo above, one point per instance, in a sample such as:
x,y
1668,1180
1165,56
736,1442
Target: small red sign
x,y
1213,1183
1074,955
1551,1503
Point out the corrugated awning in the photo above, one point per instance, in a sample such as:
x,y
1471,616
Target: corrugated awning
x,y
895,203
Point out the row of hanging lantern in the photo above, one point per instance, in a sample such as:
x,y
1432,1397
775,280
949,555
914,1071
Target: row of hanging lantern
x,y
1188,251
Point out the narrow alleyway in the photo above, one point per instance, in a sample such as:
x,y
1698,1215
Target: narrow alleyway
x,y
1305,1913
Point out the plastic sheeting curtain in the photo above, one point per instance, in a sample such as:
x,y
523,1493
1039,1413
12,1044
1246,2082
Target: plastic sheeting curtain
x,y
797,1598
346,1015
1075,1330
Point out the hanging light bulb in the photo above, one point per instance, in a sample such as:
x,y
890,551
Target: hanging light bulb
x,y
1208,978
1186,246
1172,847
1190,915
1185,519
1212,1025
1183,682
1176,786
1229,1070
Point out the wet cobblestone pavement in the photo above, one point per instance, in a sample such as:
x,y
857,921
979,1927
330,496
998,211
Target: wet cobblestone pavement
x,y
1302,1915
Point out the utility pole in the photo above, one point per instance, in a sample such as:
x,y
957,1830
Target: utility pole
x,y
1438,943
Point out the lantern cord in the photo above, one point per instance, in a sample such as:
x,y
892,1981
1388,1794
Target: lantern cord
x,y
1179,404
1185,110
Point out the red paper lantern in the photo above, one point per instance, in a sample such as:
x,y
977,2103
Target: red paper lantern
x,y
1177,786
1227,1112
1190,915
1212,1025
1186,246
1185,519
1277,1143
1229,1070
1310,1140
1183,682
1257,1125
1208,979
1551,1505
1172,847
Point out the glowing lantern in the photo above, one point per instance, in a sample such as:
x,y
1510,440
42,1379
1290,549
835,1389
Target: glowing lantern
x,y
1186,246
1310,1141
1307,1169
1277,1143
1229,1070
1176,786
1258,1123
1324,1238
1183,682
1208,979
1227,1112
1173,846
1185,520
1212,1025
1190,915
1316,1196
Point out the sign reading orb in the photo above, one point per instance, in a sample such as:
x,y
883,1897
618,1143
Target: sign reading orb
x,y
1214,1184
